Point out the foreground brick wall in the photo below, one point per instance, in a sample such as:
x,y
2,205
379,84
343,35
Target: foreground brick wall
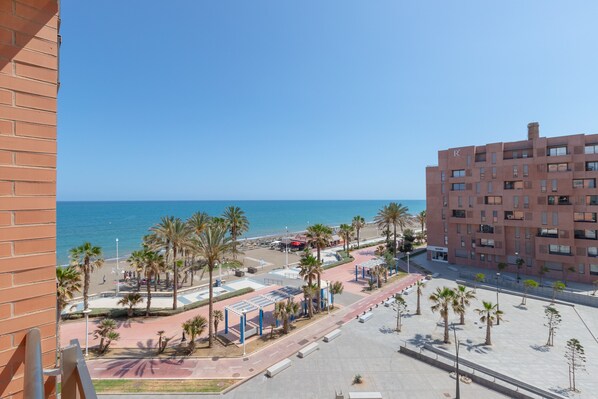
x,y
28,87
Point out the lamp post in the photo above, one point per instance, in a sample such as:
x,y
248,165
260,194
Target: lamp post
x,y
86,313
497,306
286,248
117,269
244,316
517,264
457,389
408,253
328,296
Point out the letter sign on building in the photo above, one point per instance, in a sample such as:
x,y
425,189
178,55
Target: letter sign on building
x,y
456,153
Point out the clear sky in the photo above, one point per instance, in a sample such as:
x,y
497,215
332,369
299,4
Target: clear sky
x,y
186,99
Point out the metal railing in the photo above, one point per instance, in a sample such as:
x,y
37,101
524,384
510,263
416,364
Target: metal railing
x,y
75,378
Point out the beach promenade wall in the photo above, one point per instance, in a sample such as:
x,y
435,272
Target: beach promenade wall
x,y
29,44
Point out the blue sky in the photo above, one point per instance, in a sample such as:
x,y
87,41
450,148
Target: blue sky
x,y
308,99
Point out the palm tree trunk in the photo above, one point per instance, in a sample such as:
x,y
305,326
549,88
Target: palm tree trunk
x,y
210,308
395,239
175,279
358,237
419,310
488,338
462,314
86,272
446,329
149,295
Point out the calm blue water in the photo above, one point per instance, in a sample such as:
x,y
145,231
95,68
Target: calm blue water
x,y
102,222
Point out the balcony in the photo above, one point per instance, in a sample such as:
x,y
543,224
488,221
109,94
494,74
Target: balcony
x,y
548,233
458,213
559,200
514,215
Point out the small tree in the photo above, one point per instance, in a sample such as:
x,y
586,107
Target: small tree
x,y
131,300
519,262
217,316
488,314
553,319
576,359
336,288
194,327
371,284
401,309
420,285
443,300
479,278
527,284
106,333
557,286
501,266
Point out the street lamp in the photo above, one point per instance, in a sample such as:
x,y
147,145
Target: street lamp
x,y
458,391
286,248
244,327
86,313
408,253
497,306
517,262
117,269
328,296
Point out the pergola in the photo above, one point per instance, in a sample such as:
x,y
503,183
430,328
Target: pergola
x,y
258,302
369,265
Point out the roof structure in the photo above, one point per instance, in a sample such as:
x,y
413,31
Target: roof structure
x,y
261,301
372,263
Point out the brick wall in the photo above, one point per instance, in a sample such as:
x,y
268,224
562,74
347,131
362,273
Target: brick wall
x,y
28,87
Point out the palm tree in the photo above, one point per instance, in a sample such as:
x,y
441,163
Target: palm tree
x,y
463,295
131,300
106,333
401,305
358,223
86,258
173,235
136,262
420,286
396,215
212,245
421,218
379,271
218,316
198,222
336,288
284,311
527,284
444,300
153,263
383,223
488,314
310,269
68,282
237,224
309,292
319,235
345,231
194,327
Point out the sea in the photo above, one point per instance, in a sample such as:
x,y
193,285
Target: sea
x,y
103,222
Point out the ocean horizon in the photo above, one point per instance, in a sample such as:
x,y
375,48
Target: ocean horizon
x,y
102,222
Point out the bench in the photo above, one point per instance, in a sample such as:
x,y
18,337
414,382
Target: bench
x,y
332,335
250,332
365,317
365,395
308,349
252,269
388,303
407,291
278,367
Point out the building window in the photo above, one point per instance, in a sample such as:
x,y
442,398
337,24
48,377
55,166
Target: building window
x,y
517,232
584,217
543,186
459,202
477,187
594,270
445,240
495,216
559,167
470,200
593,252
555,218
513,215
493,200
483,216
585,234
559,200
458,228
487,242
444,202
458,213
551,233
526,202
489,187
591,166
462,243
584,183
494,172
458,187
591,199
458,173
528,233
544,218
443,214
486,228
468,161
554,185
468,229
525,170
581,268
482,257
445,228
591,149
442,176
481,157
514,185
556,249
556,151
442,189
493,158
515,171
482,173
516,201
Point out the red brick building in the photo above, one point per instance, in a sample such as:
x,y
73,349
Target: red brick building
x,y
29,43
534,199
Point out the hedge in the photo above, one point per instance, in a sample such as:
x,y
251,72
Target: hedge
x,y
115,313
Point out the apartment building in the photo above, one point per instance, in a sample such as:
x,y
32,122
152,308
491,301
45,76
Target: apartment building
x,y
28,89
534,200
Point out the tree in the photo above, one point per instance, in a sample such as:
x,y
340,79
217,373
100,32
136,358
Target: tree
x,y
501,266
595,287
336,288
86,258
527,284
519,262
310,269
383,222
345,231
420,285
217,316
106,333
543,270
576,359
212,245
284,310
319,236
309,292
379,272
358,223
444,299
393,214
408,240
162,341
131,300
488,314
172,234
136,262
479,278
421,218
557,286
237,224
553,319
68,282
463,295
153,263
401,306
198,222
194,328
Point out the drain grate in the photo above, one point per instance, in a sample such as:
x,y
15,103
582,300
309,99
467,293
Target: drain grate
x,y
251,370
339,323
236,375
303,342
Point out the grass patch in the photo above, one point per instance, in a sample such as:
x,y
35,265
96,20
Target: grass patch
x,y
151,385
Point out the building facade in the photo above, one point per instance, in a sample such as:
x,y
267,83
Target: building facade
x,y
28,89
535,200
